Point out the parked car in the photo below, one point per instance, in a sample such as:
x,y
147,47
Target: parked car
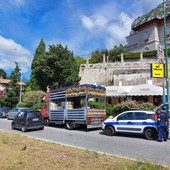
x,y
4,112
26,120
133,122
12,113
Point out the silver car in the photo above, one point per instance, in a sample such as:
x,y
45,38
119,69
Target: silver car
x,y
12,113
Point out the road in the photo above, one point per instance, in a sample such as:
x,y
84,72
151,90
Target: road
x,y
132,147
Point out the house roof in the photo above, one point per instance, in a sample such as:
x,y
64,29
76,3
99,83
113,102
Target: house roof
x,y
7,81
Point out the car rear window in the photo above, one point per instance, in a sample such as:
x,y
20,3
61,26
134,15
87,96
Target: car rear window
x,y
33,113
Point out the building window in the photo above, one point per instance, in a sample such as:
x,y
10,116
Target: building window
x,y
146,38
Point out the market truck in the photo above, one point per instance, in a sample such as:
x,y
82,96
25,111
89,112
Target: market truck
x,y
75,106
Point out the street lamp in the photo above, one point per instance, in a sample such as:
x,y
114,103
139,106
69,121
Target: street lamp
x,y
20,94
166,55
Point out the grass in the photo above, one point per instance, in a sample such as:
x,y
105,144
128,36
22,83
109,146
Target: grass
x,y
18,152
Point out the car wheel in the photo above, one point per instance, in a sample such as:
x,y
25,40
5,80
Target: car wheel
x,y
150,134
70,125
109,130
42,128
46,122
23,128
12,126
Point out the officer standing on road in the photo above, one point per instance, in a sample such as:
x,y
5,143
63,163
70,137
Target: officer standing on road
x,y
162,125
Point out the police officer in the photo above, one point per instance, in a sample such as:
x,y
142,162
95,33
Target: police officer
x,y
162,125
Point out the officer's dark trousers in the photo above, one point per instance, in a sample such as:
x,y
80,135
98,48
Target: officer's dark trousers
x,y
162,131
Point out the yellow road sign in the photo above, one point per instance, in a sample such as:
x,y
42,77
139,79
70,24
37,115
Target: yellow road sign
x,y
157,70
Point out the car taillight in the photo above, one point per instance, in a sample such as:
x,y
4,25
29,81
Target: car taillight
x,y
26,119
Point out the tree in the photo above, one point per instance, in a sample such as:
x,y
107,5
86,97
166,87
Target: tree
x,y
38,57
55,68
116,51
3,74
80,60
13,91
97,57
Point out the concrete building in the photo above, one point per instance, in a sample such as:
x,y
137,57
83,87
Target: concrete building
x,y
147,31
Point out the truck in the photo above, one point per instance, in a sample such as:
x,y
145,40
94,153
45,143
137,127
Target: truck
x,y
74,106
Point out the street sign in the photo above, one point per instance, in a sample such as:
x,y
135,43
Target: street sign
x,y
160,53
157,70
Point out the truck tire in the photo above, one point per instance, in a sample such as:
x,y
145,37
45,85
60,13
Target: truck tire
x,y
150,134
109,130
46,122
70,125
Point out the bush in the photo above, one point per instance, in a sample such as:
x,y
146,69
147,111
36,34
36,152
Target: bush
x,y
98,105
129,105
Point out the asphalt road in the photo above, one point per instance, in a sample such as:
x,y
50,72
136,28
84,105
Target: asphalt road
x,y
132,147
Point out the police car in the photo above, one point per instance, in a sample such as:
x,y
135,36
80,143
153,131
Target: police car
x,y
134,121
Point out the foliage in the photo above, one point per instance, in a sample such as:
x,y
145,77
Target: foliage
x,y
13,90
80,60
109,109
150,54
55,68
115,52
93,104
111,55
97,57
32,99
128,56
36,66
3,74
128,105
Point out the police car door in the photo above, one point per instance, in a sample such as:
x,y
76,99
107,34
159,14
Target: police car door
x,y
125,122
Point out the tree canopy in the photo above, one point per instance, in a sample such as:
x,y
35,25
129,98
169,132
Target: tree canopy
x,y
55,68
3,74
12,91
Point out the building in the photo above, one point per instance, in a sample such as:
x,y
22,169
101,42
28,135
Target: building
x,y
4,84
147,31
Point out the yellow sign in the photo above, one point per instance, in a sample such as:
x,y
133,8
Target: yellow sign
x,y
157,70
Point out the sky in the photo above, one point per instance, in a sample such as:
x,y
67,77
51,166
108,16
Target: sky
x,y
81,25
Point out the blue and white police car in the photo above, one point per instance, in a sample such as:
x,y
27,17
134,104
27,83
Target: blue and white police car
x,y
133,121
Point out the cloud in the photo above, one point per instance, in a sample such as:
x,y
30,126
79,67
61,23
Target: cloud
x,y
114,31
96,21
87,22
12,52
117,31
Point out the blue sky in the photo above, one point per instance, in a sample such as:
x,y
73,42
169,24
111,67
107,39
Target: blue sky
x,y
82,25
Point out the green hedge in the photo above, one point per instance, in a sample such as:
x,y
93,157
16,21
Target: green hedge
x,y
125,106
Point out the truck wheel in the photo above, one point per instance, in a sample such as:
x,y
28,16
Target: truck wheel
x,y
150,134
109,130
23,128
70,125
46,122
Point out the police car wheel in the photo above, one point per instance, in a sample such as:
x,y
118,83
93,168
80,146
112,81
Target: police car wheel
x,y
109,130
150,134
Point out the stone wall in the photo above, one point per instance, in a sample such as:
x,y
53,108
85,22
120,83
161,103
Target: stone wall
x,y
126,73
